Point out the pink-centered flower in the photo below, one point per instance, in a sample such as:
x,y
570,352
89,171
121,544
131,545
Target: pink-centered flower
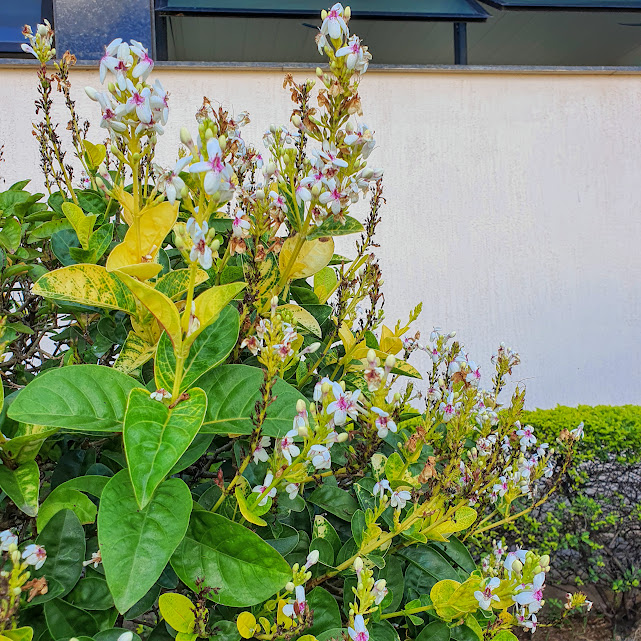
x,y
346,404
260,489
486,597
359,631
34,555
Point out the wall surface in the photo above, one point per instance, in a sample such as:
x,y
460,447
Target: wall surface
x,y
513,207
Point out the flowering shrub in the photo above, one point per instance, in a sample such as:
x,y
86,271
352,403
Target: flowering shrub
x,y
229,456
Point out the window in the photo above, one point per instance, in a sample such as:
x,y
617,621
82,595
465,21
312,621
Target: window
x,y
14,15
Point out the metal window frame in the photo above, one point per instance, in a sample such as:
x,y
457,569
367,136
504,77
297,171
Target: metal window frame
x,y
46,13
562,5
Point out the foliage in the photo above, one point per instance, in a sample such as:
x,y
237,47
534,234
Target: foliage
x,y
217,448
591,527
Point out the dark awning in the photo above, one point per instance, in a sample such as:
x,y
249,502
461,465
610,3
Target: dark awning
x,y
452,10
568,5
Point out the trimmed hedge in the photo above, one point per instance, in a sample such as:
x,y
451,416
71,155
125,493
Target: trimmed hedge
x,y
609,430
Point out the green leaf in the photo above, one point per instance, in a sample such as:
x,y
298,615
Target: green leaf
x,y
228,556
435,631
382,631
61,243
47,229
66,498
465,633
95,154
178,611
155,437
335,501
209,350
393,574
456,551
90,398
137,544
99,243
91,593
430,561
358,526
504,635
65,620
88,285
325,283
81,222
325,551
26,443
10,235
19,634
113,635
22,486
232,392
326,612
323,529
337,634
64,541
333,227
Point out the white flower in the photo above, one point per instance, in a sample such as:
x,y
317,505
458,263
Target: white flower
x,y
320,457
296,607
34,555
171,182
312,559
145,63
109,61
138,102
334,25
160,395
7,538
379,591
269,477
288,447
200,251
357,56
533,597
239,225
218,173
399,499
380,487
384,424
160,102
486,597
278,201
578,433
303,194
95,560
527,436
359,631
346,404
292,490
260,454
448,408
501,487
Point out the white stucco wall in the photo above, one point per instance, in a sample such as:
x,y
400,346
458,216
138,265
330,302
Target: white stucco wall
x,y
513,207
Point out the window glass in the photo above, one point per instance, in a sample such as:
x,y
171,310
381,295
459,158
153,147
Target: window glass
x,y
14,14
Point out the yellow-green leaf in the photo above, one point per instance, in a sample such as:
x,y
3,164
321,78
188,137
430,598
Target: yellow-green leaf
x,y
312,257
19,634
303,318
246,624
210,303
246,511
325,283
441,595
81,222
142,241
88,285
178,611
175,283
95,153
134,353
390,343
162,307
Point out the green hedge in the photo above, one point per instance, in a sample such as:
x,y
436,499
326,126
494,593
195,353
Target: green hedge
x,y
608,430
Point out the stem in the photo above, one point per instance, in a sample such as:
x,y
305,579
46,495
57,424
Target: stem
x,y
423,608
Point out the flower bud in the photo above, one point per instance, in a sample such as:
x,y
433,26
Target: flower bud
x,y
274,303
319,72
323,14
358,564
303,432
390,362
347,13
42,30
92,93
326,387
290,587
209,134
316,190
545,560
185,137
367,173
111,87
222,141
313,348
270,168
517,566
301,406
342,437
260,194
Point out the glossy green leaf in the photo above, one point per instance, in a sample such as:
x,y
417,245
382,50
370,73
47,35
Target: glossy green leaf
x,y
230,557
209,350
382,631
232,392
10,234
18,634
456,551
65,620
430,561
435,631
326,612
91,593
137,544
323,529
113,635
155,437
64,540
22,486
335,501
90,398
66,498
88,285
333,227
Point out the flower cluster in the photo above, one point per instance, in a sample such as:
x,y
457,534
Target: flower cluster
x,y
41,44
130,106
